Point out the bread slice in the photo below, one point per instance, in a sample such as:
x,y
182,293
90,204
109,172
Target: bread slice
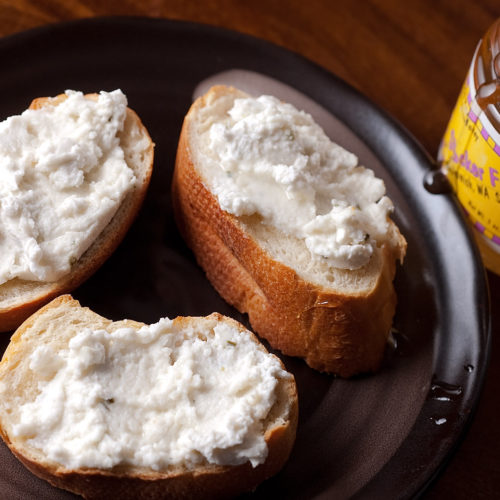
x,y
19,298
54,326
338,320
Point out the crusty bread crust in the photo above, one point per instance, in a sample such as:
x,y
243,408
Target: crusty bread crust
x,y
20,298
336,331
208,481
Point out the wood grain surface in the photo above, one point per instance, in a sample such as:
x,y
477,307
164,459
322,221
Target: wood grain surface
x,y
409,57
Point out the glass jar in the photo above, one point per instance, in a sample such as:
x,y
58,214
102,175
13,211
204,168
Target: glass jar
x,y
469,153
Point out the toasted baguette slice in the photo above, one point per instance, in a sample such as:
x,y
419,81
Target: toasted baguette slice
x,y
20,298
54,326
337,320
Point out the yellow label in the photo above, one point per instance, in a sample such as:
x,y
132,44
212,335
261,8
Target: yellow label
x,y
470,157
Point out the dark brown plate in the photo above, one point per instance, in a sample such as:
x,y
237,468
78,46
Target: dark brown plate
x,y
382,436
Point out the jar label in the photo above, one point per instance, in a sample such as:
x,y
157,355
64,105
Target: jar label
x,y
470,157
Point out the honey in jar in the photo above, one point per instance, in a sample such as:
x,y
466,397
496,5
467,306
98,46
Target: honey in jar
x,y
469,153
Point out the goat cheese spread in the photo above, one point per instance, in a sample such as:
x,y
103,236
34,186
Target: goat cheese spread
x,y
62,177
152,397
277,162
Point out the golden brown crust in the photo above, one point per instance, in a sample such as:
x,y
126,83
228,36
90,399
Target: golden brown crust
x,y
209,481
334,332
20,298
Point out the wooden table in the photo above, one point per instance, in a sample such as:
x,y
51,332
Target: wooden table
x,y
409,57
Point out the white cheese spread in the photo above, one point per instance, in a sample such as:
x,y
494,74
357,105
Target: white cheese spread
x,y
62,177
152,397
269,158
